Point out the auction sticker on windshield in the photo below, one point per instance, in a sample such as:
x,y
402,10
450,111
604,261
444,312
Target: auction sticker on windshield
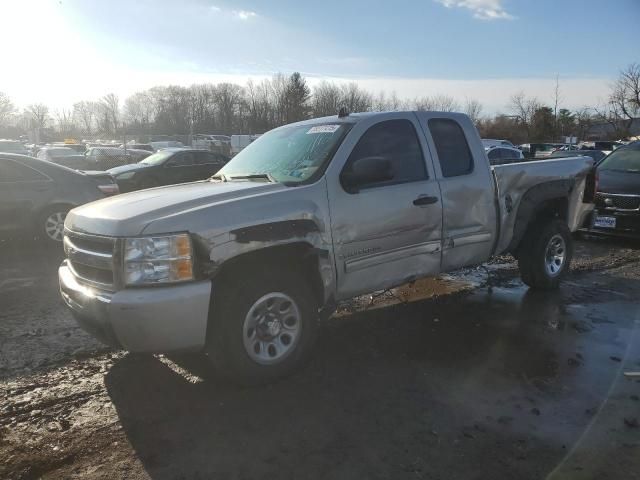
x,y
323,129
605,222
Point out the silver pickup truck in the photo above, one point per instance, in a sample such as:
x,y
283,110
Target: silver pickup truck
x,y
243,265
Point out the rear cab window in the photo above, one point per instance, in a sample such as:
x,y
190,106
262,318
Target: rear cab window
x,y
451,144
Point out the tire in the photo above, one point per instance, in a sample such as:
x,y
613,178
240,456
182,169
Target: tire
x,y
544,258
254,336
50,226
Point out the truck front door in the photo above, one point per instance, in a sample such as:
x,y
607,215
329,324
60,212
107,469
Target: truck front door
x,y
467,186
385,232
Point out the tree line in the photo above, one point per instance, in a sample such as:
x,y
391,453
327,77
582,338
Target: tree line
x,y
228,108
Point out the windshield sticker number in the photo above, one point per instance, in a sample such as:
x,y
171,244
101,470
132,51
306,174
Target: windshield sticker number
x,y
323,129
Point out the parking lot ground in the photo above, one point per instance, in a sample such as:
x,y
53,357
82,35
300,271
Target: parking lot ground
x,y
447,378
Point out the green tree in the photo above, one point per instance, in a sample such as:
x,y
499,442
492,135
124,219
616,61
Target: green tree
x,y
566,123
297,95
543,125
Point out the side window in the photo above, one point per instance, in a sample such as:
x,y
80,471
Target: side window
x,y
206,158
494,154
452,147
396,142
15,172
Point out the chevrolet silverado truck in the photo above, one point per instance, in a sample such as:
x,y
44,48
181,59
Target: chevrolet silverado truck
x,y
243,265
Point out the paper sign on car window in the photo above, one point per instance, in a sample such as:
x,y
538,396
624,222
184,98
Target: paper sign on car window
x,y
323,129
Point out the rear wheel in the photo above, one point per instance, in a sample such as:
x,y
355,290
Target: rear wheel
x,y
262,327
545,255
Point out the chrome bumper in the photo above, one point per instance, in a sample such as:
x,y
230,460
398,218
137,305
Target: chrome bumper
x,y
157,319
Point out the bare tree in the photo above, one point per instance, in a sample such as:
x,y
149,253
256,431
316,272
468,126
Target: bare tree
x,y
473,108
355,99
38,113
7,109
439,103
111,112
326,99
85,115
524,108
64,122
624,100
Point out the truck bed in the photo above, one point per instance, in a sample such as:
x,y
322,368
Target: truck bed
x,y
514,180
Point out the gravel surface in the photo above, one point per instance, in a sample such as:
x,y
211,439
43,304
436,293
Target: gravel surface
x,y
466,376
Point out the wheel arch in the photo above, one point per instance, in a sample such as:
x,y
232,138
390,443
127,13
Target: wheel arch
x,y
544,201
300,256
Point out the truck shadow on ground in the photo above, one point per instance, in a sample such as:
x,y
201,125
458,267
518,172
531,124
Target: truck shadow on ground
x,y
433,386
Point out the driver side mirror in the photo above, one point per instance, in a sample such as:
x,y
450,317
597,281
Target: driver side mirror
x,y
365,171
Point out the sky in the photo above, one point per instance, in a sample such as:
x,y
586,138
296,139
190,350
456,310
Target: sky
x,y
62,51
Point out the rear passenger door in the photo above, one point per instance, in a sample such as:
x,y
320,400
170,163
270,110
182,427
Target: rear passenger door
x,y
181,168
466,184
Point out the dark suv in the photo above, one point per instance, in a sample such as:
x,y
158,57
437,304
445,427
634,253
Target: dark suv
x,y
618,196
167,167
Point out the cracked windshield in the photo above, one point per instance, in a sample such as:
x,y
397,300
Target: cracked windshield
x,y
279,240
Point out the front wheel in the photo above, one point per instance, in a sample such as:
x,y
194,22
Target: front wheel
x,y
545,255
51,224
262,327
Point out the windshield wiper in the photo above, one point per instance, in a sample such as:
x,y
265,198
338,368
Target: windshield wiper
x,y
266,176
220,176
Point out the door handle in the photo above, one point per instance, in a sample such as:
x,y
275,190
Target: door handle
x,y
425,200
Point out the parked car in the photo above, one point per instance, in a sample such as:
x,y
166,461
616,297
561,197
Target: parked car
x,y
13,146
490,142
597,155
243,265
166,144
103,158
137,155
239,142
77,147
64,156
502,155
539,150
617,201
168,166
604,145
139,146
35,195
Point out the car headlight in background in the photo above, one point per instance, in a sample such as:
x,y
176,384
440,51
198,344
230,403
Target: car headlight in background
x,y
158,259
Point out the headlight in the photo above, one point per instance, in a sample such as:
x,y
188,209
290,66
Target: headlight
x,y
152,260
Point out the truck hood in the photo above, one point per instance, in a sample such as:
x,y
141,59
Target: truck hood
x,y
128,214
614,181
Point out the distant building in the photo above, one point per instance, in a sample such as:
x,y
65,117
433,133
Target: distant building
x,y
601,131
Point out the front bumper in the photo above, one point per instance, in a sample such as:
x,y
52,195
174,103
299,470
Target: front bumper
x,y
153,319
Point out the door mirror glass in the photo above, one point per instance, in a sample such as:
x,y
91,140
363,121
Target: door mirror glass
x,y
365,171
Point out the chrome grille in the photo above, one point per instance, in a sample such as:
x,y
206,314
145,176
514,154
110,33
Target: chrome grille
x,y
618,201
91,258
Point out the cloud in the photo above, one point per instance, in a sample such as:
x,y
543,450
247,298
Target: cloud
x,y
214,8
244,14
481,9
